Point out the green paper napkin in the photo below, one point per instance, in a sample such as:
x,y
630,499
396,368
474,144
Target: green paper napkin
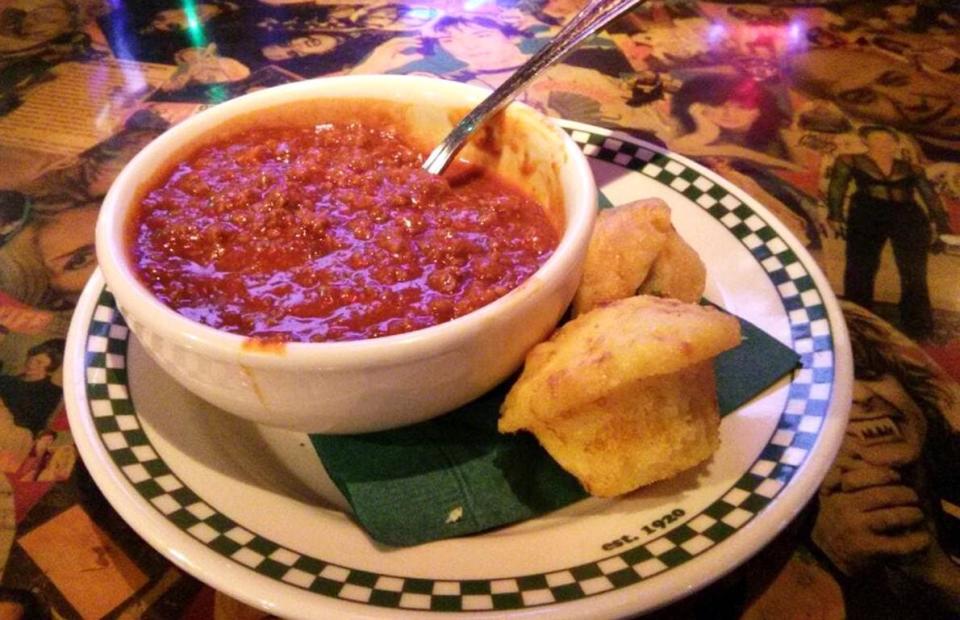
x,y
456,475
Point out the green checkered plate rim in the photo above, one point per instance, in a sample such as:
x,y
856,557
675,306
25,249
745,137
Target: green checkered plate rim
x,y
808,402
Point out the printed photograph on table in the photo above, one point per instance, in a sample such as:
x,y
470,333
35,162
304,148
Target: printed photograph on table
x,y
194,81
889,509
36,36
841,121
158,32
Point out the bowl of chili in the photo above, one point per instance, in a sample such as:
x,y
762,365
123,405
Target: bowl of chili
x,y
283,255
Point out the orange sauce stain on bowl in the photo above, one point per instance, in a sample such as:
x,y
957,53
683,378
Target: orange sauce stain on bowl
x,y
264,345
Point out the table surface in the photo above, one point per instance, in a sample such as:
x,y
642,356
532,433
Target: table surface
x,y
842,118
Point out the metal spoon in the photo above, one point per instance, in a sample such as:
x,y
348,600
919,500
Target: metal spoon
x,y
593,17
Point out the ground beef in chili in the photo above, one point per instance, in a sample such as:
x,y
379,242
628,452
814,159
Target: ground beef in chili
x,y
331,232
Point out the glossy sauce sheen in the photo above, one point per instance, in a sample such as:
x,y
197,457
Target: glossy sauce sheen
x,y
331,232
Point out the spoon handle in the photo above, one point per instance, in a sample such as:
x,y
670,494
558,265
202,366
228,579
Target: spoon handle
x,y
593,17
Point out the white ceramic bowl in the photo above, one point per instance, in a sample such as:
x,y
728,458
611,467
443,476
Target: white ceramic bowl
x,y
380,383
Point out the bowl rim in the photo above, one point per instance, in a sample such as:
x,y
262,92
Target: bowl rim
x,y
423,343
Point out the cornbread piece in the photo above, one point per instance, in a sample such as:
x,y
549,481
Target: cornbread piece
x,y
624,395
635,249
626,241
646,431
677,272
598,352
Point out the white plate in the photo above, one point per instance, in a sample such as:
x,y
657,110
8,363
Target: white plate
x,y
250,511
